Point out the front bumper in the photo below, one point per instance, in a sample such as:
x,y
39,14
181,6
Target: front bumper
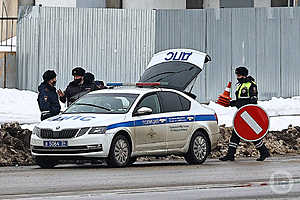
x,y
94,146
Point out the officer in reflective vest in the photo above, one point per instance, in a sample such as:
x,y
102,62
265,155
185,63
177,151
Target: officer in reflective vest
x,y
246,93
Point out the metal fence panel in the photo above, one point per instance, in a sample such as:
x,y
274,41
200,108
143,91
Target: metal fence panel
x,y
183,29
290,48
218,71
28,49
243,40
268,52
115,45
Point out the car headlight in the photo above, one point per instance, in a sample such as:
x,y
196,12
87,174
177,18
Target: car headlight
x,y
36,131
98,130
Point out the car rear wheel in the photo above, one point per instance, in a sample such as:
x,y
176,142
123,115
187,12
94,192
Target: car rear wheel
x,y
119,155
45,163
198,149
132,160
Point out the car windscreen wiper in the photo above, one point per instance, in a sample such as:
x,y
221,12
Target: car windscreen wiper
x,y
92,105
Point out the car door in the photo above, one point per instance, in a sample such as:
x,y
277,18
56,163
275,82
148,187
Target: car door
x,y
179,120
150,129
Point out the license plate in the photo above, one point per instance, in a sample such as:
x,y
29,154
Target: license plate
x,y
55,143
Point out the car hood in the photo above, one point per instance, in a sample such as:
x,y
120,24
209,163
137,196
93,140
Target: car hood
x,y
175,68
70,121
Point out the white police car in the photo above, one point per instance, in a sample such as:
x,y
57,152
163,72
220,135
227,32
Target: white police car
x,y
122,124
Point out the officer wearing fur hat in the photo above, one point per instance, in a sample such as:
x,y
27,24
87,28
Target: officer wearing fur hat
x,y
74,87
88,85
48,98
246,93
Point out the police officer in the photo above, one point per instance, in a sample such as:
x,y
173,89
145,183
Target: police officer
x,y
246,93
74,87
48,98
87,86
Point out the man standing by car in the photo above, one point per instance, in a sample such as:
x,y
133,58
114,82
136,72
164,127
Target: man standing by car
x,y
246,93
74,87
48,98
88,85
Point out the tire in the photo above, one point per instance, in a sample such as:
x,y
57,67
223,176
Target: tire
x,y
132,160
45,163
119,154
198,149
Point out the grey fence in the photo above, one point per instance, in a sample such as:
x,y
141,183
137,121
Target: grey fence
x,y
116,45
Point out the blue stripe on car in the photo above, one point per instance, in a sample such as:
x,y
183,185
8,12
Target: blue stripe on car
x,y
163,120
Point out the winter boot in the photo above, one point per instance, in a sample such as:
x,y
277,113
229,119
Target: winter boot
x,y
229,155
264,153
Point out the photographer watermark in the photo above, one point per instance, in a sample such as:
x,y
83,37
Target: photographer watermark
x,y
281,182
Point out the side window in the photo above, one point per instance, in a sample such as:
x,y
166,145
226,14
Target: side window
x,y
186,104
170,102
152,102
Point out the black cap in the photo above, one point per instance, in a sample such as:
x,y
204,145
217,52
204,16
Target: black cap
x,y
88,78
241,71
78,71
48,75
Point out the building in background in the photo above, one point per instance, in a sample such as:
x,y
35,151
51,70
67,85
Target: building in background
x,y
165,4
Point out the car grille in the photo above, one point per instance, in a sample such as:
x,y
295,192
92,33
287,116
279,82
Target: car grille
x,y
67,133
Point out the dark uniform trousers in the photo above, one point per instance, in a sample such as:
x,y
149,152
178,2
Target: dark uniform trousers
x,y
235,141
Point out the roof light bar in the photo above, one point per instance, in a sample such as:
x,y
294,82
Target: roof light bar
x,y
114,84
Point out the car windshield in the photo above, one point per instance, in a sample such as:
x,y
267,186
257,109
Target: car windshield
x,y
103,103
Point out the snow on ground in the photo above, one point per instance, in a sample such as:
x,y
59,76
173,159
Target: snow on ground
x,y
282,112
18,106
22,106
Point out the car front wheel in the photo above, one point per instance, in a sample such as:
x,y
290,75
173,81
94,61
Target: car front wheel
x,y
198,149
119,154
45,163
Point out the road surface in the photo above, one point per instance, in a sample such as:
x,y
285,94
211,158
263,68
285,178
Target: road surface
x,y
276,178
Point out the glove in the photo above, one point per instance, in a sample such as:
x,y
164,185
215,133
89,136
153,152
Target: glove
x,y
232,103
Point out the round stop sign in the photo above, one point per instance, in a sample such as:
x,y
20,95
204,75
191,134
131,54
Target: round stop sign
x,y
251,123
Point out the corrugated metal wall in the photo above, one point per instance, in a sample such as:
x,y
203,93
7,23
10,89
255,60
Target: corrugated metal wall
x,y
183,29
266,40
116,45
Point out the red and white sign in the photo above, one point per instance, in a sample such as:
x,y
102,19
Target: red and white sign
x,y
251,123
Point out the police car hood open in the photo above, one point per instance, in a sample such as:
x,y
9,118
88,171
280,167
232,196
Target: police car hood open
x,y
175,67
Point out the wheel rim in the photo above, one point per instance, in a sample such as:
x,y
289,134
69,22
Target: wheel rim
x,y
200,147
121,151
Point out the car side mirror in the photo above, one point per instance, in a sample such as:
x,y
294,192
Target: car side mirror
x,y
144,111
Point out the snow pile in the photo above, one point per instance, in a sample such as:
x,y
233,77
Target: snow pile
x,y
18,106
282,112
282,142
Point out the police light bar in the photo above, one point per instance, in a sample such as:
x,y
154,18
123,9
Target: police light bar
x,y
139,84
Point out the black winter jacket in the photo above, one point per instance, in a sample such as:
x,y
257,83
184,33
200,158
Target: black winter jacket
x,y
48,99
253,94
74,91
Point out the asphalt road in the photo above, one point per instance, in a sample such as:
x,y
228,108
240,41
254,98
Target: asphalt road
x,y
276,178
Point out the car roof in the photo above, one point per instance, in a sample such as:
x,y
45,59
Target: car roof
x,y
131,90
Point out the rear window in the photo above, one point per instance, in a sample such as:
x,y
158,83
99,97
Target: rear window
x,y
177,75
170,102
186,104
